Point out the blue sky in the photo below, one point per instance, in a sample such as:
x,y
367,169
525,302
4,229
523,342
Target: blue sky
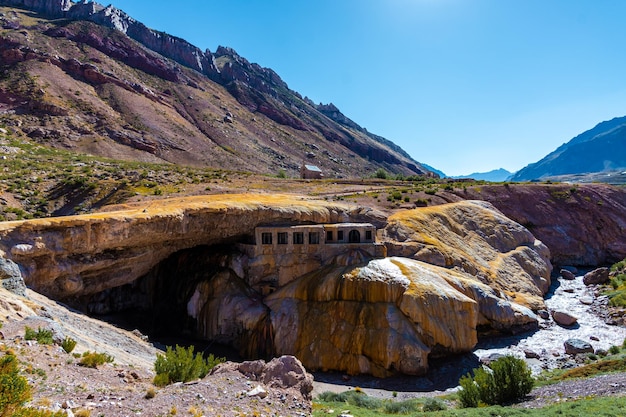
x,y
461,85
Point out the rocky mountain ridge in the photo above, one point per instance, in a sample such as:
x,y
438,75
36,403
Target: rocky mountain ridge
x,y
596,150
127,91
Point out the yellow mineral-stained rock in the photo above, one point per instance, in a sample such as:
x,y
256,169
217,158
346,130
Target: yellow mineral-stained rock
x,y
76,255
472,236
387,316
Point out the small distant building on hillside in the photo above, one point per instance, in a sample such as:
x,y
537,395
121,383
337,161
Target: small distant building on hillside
x,y
310,172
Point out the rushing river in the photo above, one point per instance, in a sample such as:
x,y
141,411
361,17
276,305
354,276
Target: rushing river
x,y
576,299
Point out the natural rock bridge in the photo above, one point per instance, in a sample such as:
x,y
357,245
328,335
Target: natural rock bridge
x,y
463,266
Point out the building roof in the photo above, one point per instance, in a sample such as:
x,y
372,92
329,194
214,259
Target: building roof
x,y
312,168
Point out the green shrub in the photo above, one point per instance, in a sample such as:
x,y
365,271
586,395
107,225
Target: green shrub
x,y
93,359
400,407
42,336
381,174
509,380
614,350
181,365
434,404
14,389
468,394
68,344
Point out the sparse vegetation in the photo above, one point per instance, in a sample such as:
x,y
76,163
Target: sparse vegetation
x,y
93,359
617,296
180,364
508,381
42,336
68,344
381,174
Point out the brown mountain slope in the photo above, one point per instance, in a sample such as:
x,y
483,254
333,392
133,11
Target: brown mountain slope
x,y
91,88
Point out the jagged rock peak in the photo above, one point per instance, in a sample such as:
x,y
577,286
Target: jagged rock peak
x,y
53,8
167,45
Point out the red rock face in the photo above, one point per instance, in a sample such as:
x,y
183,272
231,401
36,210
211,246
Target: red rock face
x,y
581,224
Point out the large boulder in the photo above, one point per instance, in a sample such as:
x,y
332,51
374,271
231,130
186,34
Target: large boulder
x,y
576,346
597,276
563,318
284,372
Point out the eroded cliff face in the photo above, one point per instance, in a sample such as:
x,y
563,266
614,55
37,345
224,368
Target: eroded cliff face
x,y
472,268
583,225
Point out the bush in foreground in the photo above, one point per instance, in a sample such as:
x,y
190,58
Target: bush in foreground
x,y
509,380
181,365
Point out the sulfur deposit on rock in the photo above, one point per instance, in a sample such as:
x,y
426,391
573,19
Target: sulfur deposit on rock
x,y
474,237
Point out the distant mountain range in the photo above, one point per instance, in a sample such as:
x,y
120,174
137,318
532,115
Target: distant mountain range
x,y
601,149
496,175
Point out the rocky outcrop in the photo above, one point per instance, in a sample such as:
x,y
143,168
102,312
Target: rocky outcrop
x,y
87,254
11,278
390,315
479,241
52,8
582,225
169,46
283,372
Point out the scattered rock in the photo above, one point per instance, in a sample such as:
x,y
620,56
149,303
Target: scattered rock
x,y
11,277
586,300
569,290
576,346
487,360
570,268
258,391
531,354
594,338
543,314
568,275
563,319
597,276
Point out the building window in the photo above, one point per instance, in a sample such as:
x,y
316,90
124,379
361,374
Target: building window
x,y
354,236
314,238
266,238
298,238
282,238
340,235
368,235
329,236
